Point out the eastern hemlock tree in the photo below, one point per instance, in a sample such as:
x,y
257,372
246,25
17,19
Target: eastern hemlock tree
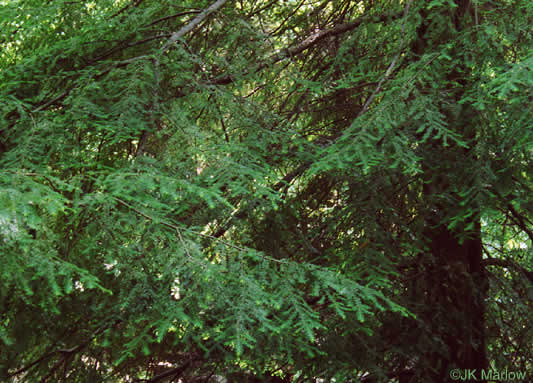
x,y
273,191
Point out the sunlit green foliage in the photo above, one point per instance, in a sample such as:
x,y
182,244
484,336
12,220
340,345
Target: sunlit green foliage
x,y
260,199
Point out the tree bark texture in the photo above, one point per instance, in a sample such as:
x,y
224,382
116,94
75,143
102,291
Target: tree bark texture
x,y
455,284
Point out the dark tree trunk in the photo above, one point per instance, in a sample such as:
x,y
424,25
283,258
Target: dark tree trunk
x,y
455,285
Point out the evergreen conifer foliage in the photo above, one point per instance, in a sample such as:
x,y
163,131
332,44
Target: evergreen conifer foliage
x,y
277,191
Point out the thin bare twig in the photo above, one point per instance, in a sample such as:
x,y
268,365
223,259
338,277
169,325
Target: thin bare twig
x,y
177,229
173,226
177,371
171,17
303,45
391,66
190,26
65,352
508,263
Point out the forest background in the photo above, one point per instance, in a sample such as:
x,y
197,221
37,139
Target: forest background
x,y
265,191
